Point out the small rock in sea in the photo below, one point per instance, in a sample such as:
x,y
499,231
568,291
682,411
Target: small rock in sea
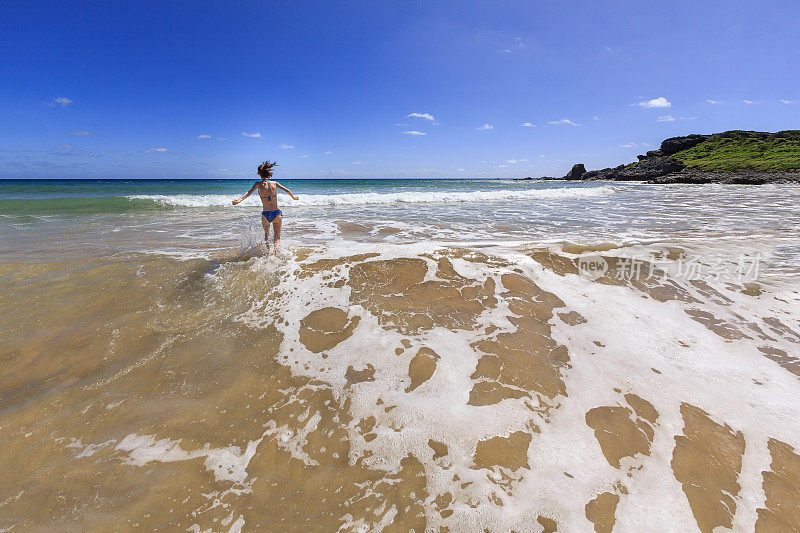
x,y
576,173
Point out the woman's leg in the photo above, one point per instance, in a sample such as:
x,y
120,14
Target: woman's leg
x,y
265,225
276,232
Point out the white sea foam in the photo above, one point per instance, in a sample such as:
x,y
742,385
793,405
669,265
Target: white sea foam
x,y
228,463
366,198
438,409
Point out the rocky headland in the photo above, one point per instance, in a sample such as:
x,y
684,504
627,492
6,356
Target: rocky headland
x,y
744,157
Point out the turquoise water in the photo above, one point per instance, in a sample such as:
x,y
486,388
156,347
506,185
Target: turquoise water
x,y
195,217
121,195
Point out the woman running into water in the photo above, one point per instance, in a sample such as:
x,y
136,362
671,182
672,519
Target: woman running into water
x,y
268,191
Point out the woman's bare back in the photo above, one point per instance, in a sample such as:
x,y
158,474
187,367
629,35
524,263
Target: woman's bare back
x,y
268,192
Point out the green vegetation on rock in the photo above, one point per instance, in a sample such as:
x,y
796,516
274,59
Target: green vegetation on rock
x,y
745,150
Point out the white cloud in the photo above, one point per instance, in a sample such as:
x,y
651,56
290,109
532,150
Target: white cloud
x,y
256,135
595,117
563,122
671,118
204,136
502,166
485,127
327,153
151,150
629,145
505,51
714,102
63,102
748,102
221,139
414,132
512,161
461,169
784,101
356,162
287,147
426,116
304,156
528,125
84,133
654,103
64,147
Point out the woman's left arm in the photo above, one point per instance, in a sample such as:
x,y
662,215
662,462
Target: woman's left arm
x,y
253,188
284,189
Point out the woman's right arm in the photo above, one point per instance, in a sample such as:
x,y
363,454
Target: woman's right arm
x,y
255,185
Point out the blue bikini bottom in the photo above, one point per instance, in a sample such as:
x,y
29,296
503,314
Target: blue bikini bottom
x,y
271,215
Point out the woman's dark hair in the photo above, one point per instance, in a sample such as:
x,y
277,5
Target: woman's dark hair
x,y
265,168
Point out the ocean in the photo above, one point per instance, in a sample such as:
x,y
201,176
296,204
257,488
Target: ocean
x,y
426,355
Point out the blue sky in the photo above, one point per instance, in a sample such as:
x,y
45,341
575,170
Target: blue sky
x,y
207,89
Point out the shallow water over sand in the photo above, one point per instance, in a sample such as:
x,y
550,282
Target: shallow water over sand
x,y
405,366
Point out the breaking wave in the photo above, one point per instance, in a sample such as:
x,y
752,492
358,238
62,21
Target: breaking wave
x,y
366,198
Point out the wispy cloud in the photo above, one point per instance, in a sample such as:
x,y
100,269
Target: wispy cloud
x,y
356,162
595,117
64,147
287,147
654,103
204,136
61,101
426,116
485,127
514,161
256,135
563,122
517,44
749,102
714,102
304,156
84,133
151,150
528,125
327,153
784,101
672,118
629,145
414,132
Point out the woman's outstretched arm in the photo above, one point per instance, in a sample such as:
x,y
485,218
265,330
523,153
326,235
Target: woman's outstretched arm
x,y
255,185
284,189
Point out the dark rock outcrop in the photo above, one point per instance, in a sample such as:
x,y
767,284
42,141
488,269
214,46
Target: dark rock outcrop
x,y
646,169
674,145
576,173
650,168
